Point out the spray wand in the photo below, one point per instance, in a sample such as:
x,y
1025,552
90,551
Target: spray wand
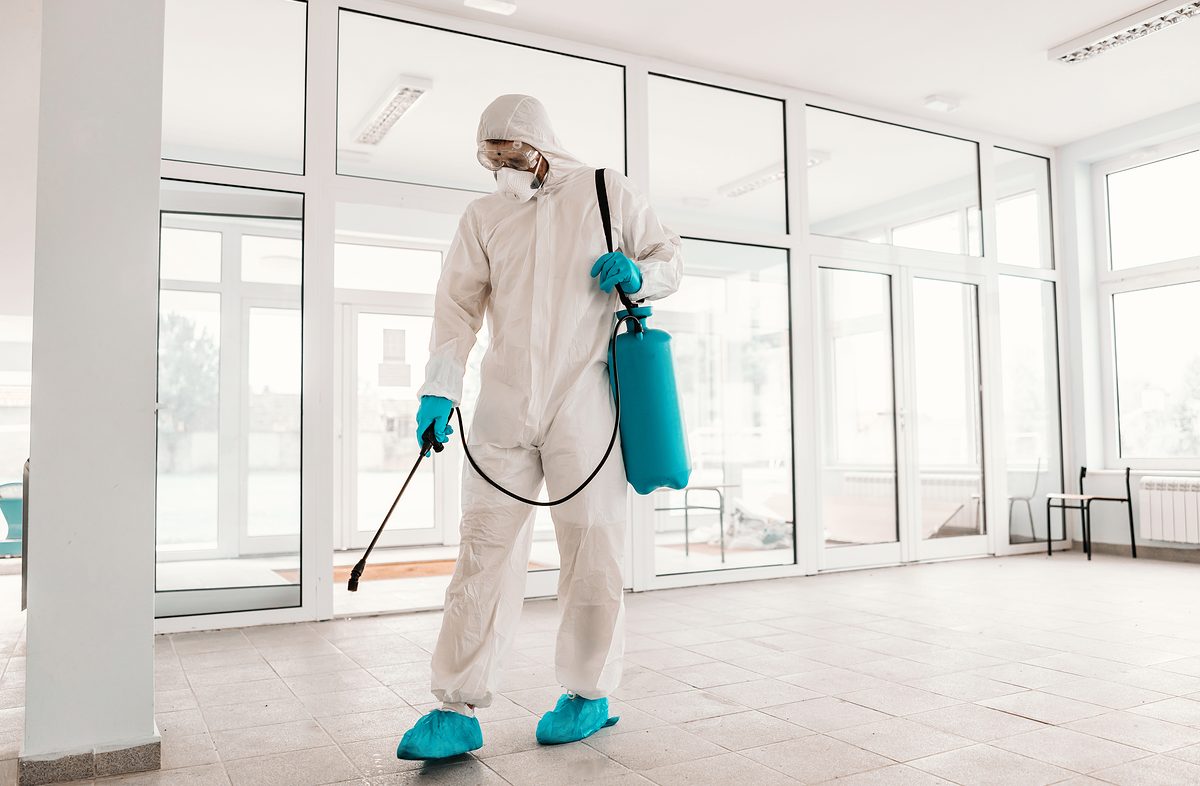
x,y
428,442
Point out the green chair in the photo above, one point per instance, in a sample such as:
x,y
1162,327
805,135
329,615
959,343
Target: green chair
x,y
10,511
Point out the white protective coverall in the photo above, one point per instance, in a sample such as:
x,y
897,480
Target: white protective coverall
x,y
544,411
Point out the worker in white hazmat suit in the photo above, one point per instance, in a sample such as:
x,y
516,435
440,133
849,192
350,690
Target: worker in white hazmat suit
x,y
532,258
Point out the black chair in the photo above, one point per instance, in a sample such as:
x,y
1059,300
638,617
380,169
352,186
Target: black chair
x,y
1083,503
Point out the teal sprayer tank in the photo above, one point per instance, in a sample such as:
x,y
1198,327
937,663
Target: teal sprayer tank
x,y
653,438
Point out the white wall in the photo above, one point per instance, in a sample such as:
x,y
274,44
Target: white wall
x,y
20,63
91,541
1085,384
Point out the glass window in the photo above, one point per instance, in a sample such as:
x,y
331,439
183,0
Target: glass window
x,y
1032,432
190,254
1158,371
229,393
392,350
867,178
272,439
1022,209
1152,212
730,328
428,87
386,268
233,83
858,424
270,259
716,157
949,412
940,233
189,361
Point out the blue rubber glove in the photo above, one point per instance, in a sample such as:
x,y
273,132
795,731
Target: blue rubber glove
x,y
615,268
435,410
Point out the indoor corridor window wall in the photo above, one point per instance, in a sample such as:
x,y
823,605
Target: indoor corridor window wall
x,y
385,274
730,338
949,417
1032,429
730,326
229,417
1028,345
858,413
886,183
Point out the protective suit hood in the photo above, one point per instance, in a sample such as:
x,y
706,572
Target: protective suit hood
x,y
524,119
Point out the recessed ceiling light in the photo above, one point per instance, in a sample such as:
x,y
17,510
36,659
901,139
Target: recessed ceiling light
x,y
501,7
1157,17
400,99
940,104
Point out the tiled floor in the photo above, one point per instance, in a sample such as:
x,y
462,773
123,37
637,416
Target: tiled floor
x,y
1021,672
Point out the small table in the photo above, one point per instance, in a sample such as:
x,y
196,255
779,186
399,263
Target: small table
x,y
687,506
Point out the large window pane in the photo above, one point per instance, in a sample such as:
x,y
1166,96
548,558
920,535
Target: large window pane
x,y
1022,209
1158,371
391,355
880,182
1032,432
858,419
229,392
1152,212
451,77
730,328
190,254
273,412
270,259
233,83
189,355
386,268
740,187
949,422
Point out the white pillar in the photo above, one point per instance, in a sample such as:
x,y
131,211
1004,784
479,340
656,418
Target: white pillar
x,y
91,542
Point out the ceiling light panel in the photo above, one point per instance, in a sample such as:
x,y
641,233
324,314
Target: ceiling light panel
x,y
1131,28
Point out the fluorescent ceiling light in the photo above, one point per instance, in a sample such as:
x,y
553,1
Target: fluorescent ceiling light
x,y
940,104
1130,28
767,175
492,6
753,181
400,99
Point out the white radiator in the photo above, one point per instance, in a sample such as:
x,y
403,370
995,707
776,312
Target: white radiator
x,y
1170,509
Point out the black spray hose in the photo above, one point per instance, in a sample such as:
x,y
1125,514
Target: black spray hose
x,y
428,441
612,348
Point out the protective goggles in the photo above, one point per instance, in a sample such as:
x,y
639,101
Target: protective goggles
x,y
496,154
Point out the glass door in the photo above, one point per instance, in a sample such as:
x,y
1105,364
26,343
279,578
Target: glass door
x,y
385,354
901,415
860,516
230,348
946,430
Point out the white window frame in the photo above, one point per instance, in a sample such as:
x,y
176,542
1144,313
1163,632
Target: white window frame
x,y
1111,282
323,189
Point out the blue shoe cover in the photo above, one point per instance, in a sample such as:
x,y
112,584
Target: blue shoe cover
x,y
573,719
440,734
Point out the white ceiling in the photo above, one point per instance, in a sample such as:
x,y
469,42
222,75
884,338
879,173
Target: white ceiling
x,y
990,56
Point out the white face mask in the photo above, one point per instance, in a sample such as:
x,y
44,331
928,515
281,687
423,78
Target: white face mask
x,y
515,185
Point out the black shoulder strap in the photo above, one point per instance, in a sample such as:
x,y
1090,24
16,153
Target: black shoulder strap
x,y
606,217
602,200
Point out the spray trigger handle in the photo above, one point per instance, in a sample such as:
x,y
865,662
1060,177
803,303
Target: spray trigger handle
x,y
428,440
